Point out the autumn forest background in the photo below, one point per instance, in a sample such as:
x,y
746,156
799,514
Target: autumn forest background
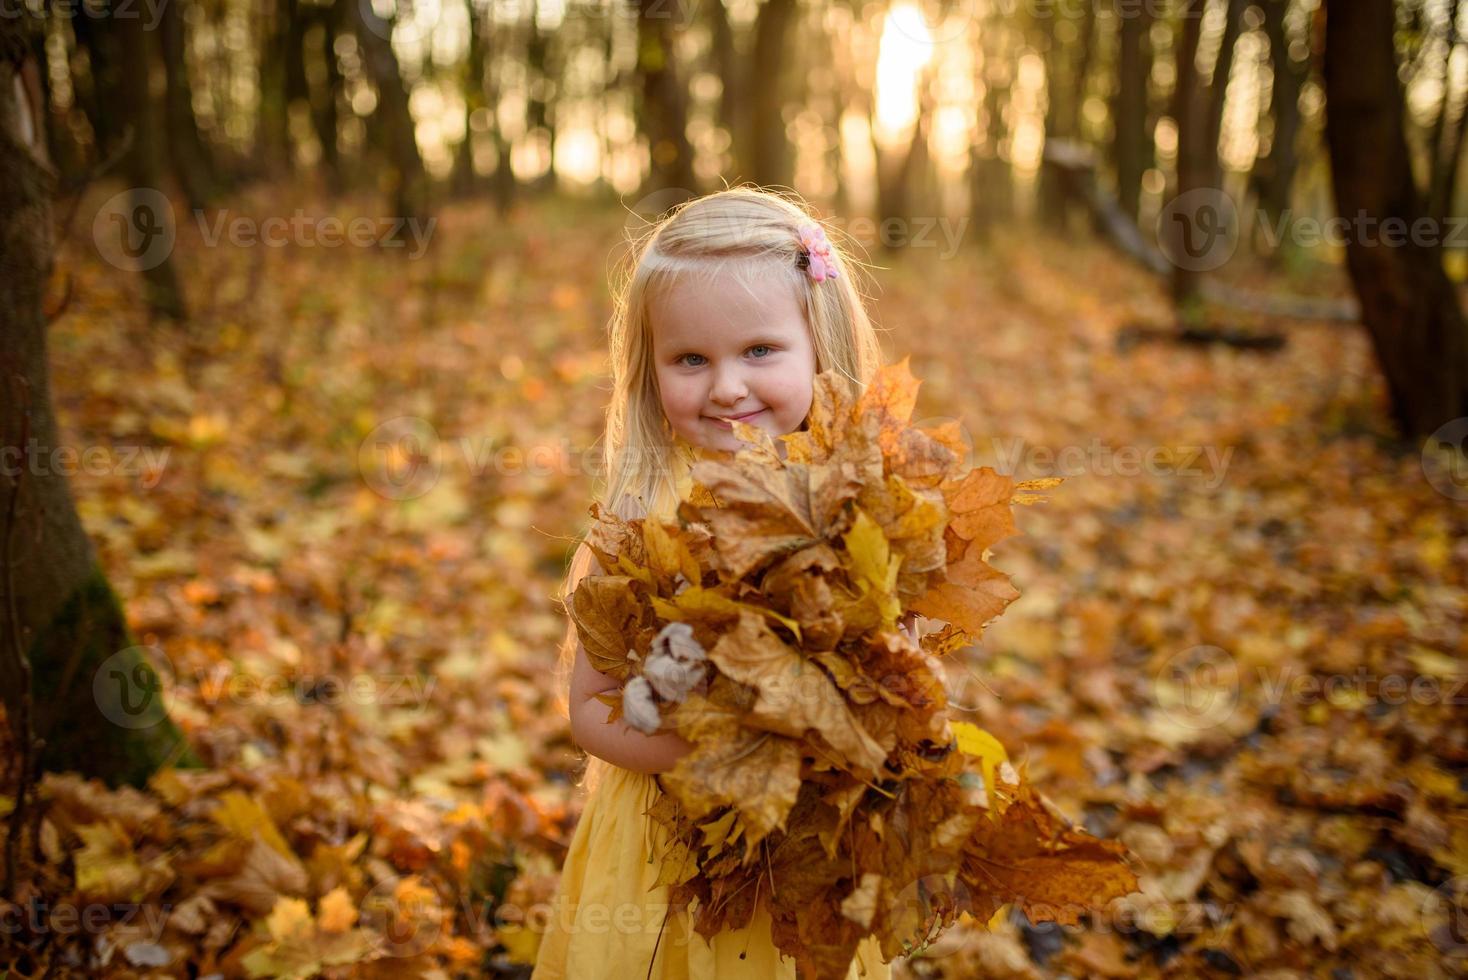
x,y
302,379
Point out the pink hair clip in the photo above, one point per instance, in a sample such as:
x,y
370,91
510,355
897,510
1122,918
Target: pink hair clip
x,y
815,253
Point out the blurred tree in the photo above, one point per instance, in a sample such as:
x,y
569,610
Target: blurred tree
x,y
1407,302
476,102
1273,176
59,619
1189,112
768,151
132,45
901,173
189,156
1223,63
540,104
664,103
1132,149
278,46
327,21
1067,71
731,78
407,180
991,199
1446,142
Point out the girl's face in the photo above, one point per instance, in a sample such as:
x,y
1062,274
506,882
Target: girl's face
x,y
723,349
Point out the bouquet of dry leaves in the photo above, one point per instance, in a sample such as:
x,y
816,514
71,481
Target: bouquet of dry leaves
x,y
827,777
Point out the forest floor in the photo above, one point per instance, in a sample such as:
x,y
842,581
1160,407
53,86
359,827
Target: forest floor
x,y
1239,648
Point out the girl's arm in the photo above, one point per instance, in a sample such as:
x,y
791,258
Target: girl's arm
x,y
618,743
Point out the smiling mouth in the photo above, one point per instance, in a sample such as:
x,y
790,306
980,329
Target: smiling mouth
x,y
725,421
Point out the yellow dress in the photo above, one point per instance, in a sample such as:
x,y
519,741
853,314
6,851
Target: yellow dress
x,y
606,916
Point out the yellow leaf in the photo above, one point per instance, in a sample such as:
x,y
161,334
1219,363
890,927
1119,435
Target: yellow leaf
x,y
521,944
337,912
290,919
106,866
716,832
874,565
974,741
245,817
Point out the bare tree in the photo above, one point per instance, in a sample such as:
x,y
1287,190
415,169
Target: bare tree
x,y
1132,149
1274,172
768,153
1407,302
664,96
64,644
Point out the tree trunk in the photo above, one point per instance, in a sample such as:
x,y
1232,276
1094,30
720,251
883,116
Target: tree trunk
x,y
1132,149
664,99
503,184
141,166
1407,302
1274,173
1066,77
731,95
1447,141
466,180
540,107
896,184
91,695
95,39
1233,25
1051,192
991,197
188,154
769,154
1195,160
272,136
331,20
399,138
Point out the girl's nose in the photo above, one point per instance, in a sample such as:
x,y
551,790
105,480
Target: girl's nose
x,y
729,388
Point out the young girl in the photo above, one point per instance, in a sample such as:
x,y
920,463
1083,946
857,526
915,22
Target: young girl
x,y
733,304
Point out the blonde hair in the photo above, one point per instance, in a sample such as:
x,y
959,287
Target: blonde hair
x,y
747,231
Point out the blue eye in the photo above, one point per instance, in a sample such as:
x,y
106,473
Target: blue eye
x,y
765,347
683,359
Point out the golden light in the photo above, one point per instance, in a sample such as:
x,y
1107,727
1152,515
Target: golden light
x,y
905,49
